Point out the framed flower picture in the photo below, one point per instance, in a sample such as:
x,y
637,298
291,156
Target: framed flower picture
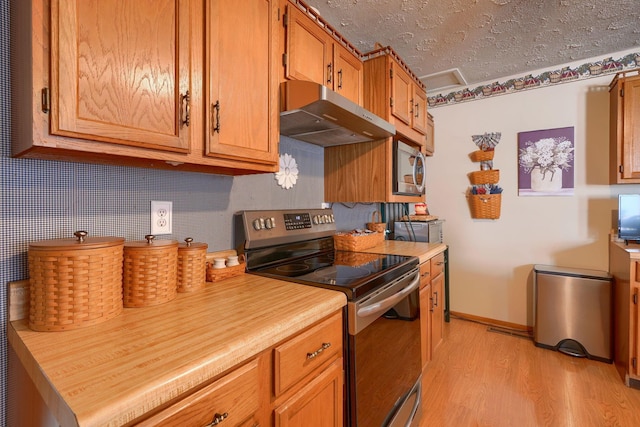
x,y
545,162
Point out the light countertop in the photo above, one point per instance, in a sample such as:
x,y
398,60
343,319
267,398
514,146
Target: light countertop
x,y
114,372
424,251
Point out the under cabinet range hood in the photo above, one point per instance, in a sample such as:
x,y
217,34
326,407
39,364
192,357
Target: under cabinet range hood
x,y
316,114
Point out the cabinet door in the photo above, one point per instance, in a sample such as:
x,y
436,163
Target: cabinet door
x,y
120,71
347,74
317,404
308,48
420,118
430,145
242,88
437,315
425,323
401,92
630,128
635,327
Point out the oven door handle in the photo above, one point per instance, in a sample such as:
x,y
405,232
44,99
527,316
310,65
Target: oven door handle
x,y
387,303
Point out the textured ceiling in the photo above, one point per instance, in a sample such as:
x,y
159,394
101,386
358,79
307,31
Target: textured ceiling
x,y
486,39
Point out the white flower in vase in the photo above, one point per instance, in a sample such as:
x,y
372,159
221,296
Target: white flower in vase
x,y
545,160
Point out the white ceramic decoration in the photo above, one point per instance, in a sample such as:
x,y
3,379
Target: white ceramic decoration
x,y
288,173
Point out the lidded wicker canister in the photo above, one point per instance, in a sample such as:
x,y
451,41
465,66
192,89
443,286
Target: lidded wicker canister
x,y
150,272
192,265
74,282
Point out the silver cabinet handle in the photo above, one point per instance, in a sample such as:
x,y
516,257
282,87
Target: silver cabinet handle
x,y
329,73
340,79
325,345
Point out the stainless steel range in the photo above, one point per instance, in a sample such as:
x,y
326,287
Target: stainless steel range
x,y
383,359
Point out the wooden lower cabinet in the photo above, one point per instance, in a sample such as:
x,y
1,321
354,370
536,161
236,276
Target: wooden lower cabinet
x,y
425,321
437,311
432,305
234,399
308,377
297,383
318,403
624,266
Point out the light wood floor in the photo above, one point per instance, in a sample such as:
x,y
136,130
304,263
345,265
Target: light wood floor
x,y
483,378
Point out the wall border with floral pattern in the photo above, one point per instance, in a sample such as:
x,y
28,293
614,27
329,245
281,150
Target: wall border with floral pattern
x,y
548,78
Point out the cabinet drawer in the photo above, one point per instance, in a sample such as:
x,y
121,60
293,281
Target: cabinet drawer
x,y
425,273
299,356
234,398
437,264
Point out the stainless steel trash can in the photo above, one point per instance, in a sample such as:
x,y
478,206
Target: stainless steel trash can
x,y
572,311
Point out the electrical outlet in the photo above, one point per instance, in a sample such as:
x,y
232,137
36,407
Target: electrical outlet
x,y
161,217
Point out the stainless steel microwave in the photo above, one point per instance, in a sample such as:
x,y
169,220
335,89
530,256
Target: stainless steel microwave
x,y
408,169
430,231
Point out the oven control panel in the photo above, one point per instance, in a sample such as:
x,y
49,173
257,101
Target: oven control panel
x,y
293,221
297,221
268,226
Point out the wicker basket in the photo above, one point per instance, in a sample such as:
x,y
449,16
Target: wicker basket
x,y
217,274
192,265
374,225
150,272
491,176
74,282
356,241
485,206
481,156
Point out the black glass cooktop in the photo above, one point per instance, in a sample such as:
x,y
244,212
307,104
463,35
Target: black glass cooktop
x,y
353,273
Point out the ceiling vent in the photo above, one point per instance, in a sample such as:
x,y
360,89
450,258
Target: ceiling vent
x,y
442,80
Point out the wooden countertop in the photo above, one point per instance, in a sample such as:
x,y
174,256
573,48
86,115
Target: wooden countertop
x,y
114,372
424,251
633,249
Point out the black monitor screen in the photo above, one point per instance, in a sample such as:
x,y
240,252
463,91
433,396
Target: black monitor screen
x,y
629,216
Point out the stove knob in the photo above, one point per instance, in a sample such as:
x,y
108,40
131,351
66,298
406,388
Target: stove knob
x,y
326,219
269,223
316,220
332,218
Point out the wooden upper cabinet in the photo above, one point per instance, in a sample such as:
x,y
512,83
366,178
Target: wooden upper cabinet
x,y
394,93
430,145
420,114
624,128
313,51
241,100
120,72
347,73
401,94
124,82
308,48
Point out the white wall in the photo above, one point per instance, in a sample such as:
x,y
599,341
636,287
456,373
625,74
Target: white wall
x,y
491,261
